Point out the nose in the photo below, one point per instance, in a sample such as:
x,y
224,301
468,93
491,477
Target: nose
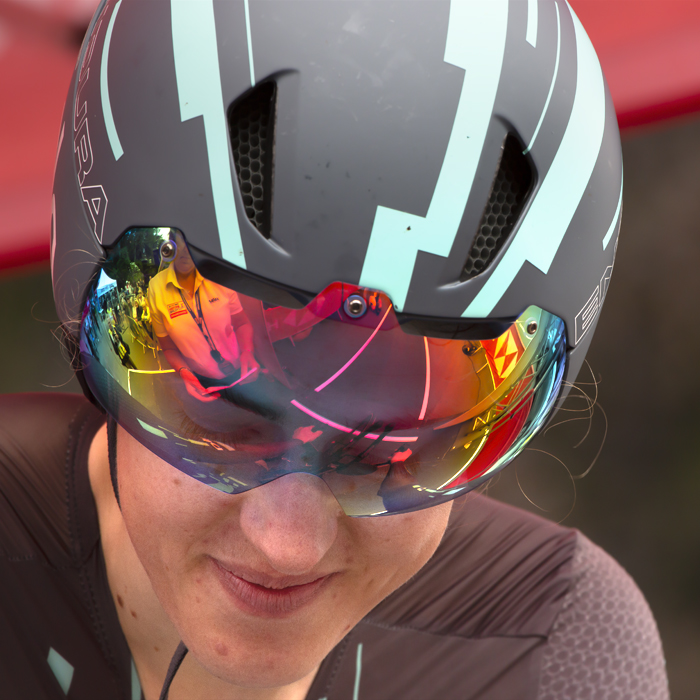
x,y
292,521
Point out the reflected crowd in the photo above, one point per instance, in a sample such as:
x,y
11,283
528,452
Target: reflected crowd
x,y
158,307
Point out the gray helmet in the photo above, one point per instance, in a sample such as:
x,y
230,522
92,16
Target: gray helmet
x,y
462,157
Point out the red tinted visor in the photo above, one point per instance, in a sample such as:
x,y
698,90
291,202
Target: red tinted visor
x,y
236,392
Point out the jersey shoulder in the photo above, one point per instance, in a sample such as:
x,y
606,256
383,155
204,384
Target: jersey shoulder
x,y
472,623
510,605
40,440
604,640
499,571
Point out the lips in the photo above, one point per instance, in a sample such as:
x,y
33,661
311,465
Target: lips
x,y
266,596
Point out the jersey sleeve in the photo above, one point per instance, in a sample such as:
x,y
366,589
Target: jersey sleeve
x,y
605,642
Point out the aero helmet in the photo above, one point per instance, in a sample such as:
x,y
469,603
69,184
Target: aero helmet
x,y
406,212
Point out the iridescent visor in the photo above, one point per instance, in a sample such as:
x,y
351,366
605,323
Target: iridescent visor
x,y
235,392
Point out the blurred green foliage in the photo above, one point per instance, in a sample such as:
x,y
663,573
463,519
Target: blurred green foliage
x,y
31,357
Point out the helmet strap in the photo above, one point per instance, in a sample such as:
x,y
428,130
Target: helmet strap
x,y
175,662
112,454
181,650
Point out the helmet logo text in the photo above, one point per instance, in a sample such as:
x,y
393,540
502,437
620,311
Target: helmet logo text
x,y
94,196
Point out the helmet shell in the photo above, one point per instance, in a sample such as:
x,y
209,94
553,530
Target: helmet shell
x,y
389,122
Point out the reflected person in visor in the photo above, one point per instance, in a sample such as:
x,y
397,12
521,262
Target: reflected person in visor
x,y
201,326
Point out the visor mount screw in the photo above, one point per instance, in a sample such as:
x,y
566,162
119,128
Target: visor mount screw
x,y
168,251
355,306
469,349
532,327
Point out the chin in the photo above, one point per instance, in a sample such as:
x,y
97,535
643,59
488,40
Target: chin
x,y
256,666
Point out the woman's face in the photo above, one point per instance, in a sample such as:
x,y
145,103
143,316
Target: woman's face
x,y
262,585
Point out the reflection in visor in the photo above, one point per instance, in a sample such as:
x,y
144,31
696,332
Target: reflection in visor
x,y
235,392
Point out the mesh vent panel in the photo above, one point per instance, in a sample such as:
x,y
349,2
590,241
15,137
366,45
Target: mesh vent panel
x,y
605,644
508,194
251,125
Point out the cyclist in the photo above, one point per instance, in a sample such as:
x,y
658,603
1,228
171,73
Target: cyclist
x,y
416,206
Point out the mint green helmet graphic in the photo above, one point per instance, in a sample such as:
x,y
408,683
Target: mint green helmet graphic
x,y
476,38
460,156
199,91
104,88
543,228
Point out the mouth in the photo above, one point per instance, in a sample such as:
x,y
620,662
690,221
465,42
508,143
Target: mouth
x,y
263,596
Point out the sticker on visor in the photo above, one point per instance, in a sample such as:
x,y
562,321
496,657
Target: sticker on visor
x,y
235,392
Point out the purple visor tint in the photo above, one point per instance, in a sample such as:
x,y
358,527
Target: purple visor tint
x,y
235,392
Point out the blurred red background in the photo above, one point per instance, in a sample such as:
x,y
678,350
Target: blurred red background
x,y
650,51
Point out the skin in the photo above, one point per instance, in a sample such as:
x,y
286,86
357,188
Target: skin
x,y
161,551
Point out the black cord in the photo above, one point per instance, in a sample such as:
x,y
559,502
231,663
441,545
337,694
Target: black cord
x,y
112,453
181,650
175,662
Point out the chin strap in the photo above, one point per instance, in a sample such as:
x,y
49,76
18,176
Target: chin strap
x,y
112,453
181,650
175,662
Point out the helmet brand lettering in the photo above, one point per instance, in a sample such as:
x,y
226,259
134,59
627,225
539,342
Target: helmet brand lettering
x,y
80,108
81,112
588,314
83,151
96,202
93,195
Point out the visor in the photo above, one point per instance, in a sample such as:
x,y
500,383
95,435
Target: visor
x,y
236,392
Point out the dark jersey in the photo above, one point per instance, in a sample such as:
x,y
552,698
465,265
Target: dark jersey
x,y
511,606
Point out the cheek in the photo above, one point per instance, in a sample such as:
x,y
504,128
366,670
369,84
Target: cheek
x,y
166,513
398,546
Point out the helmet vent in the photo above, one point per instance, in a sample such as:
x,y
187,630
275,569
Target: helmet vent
x,y
509,192
251,126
